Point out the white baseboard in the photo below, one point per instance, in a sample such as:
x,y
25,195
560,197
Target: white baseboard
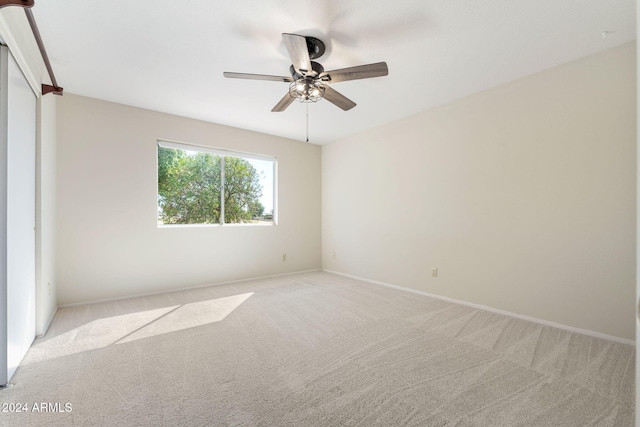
x,y
48,324
186,288
493,310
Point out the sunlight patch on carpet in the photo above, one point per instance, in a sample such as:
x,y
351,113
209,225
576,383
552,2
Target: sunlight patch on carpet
x,y
129,327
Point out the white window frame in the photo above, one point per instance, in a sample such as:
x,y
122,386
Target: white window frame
x,y
222,153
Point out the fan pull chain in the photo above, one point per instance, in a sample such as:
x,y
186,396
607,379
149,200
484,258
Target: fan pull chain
x,y
307,105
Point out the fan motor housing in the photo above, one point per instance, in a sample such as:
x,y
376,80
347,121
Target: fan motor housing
x,y
318,68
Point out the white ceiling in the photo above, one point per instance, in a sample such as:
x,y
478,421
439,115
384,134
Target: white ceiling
x,y
169,55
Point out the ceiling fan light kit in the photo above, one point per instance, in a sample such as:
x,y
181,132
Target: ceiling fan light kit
x,y
306,89
308,81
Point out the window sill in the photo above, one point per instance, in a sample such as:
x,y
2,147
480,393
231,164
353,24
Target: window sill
x,y
244,224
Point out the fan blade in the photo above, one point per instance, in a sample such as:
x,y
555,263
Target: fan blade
x,y
297,48
355,73
257,77
338,99
283,104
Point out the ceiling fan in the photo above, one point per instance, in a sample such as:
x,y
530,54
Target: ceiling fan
x,y
309,81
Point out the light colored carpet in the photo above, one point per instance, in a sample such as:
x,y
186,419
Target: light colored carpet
x,y
316,349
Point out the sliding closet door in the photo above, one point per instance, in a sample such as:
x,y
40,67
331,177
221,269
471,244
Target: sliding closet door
x,y
17,168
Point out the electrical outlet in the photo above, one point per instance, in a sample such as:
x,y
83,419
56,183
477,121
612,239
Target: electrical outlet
x,y
434,272
284,257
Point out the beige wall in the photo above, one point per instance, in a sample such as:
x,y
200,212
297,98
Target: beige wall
x,y
523,197
46,298
108,241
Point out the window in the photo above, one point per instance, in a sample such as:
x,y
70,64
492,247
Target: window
x,y
199,185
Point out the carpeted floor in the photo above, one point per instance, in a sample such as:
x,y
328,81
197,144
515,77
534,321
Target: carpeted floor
x,y
314,349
